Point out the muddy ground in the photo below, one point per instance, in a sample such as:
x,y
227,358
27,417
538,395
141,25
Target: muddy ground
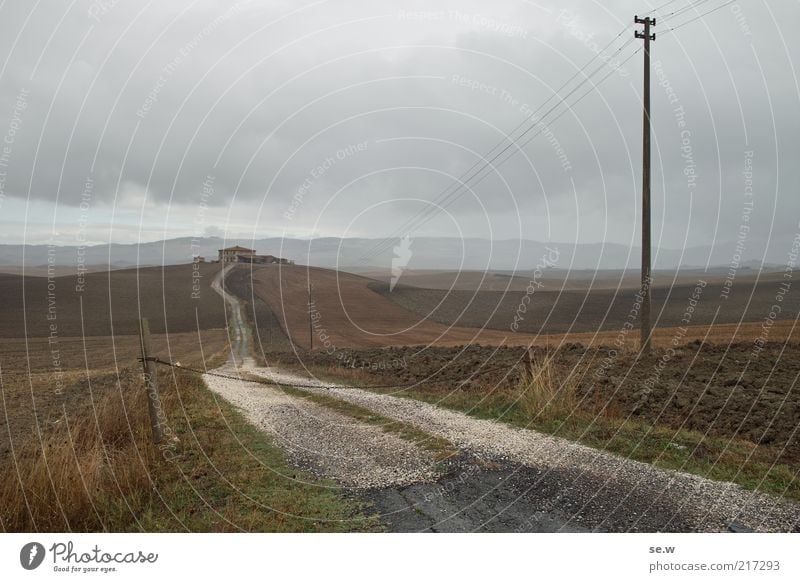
x,y
724,390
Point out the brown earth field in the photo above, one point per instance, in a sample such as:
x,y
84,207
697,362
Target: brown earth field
x,y
346,312
561,279
355,311
549,310
726,390
628,339
55,271
111,303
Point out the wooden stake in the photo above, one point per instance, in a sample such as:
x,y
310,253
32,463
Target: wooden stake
x,y
157,421
529,363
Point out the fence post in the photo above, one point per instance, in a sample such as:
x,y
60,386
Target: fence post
x,y
157,422
530,362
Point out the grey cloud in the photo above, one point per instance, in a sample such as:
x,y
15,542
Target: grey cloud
x,y
153,95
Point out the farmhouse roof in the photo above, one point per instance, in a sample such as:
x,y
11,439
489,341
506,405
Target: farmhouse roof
x,y
238,248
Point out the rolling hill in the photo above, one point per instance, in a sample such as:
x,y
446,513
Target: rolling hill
x,y
345,312
173,298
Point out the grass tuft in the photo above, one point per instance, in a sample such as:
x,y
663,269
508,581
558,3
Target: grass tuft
x,y
546,392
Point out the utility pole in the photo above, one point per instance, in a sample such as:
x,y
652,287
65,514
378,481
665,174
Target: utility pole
x,y
310,319
644,314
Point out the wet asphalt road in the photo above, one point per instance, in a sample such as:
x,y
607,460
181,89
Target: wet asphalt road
x,y
474,498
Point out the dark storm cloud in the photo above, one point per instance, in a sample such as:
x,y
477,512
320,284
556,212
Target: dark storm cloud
x,y
319,115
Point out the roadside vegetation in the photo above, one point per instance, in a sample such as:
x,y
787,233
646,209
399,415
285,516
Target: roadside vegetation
x,y
549,400
96,469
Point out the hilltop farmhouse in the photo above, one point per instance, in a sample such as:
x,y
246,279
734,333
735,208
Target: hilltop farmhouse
x,y
237,254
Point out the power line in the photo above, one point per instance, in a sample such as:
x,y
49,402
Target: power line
x,y
444,206
657,8
699,16
682,10
465,177
534,136
450,194
488,164
447,200
468,175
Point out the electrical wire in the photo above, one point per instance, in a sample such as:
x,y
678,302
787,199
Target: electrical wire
x,y
453,192
460,190
699,16
531,138
468,175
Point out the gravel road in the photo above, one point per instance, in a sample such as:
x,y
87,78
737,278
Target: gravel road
x,y
327,443
506,479
316,438
239,339
598,490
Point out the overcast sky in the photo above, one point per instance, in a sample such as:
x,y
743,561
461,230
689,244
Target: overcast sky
x,y
347,118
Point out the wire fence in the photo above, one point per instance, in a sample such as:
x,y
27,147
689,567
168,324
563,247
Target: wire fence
x,y
320,384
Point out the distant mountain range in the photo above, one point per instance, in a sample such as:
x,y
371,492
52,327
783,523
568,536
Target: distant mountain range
x,y
364,254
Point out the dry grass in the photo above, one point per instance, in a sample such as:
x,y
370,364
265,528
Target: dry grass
x,y
98,471
82,466
34,393
545,391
